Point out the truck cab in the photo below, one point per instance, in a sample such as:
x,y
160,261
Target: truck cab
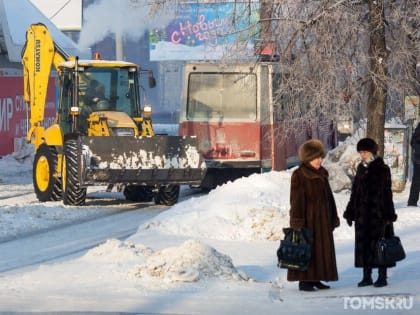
x,y
104,90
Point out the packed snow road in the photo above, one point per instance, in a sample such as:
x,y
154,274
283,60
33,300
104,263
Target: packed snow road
x,y
74,238
47,232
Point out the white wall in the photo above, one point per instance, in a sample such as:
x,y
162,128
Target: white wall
x,y
65,14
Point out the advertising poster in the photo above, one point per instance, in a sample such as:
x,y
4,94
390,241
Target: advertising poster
x,y
14,112
395,156
206,32
411,105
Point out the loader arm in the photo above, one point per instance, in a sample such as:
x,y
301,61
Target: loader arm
x,y
38,55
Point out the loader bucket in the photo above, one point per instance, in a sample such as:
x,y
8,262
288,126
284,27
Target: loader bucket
x,y
157,160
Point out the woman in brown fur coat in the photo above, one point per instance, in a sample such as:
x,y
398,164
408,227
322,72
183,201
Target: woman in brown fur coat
x,y
312,206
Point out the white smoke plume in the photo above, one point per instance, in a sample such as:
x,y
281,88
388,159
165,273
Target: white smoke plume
x,y
127,18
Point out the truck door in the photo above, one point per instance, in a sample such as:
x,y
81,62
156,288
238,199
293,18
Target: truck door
x,y
265,105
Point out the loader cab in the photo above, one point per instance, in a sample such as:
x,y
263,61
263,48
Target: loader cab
x,y
98,89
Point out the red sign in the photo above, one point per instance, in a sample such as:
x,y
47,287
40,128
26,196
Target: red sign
x,y
14,112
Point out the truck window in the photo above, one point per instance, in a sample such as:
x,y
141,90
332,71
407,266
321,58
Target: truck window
x,y
117,88
222,96
279,101
66,103
283,105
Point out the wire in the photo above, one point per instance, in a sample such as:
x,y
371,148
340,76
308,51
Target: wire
x,y
60,9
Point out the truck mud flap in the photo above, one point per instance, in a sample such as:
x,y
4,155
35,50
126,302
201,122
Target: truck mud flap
x,y
157,160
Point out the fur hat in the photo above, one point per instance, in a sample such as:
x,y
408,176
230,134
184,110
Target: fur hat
x,y
310,150
367,144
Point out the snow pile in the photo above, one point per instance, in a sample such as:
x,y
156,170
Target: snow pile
x,y
117,251
341,163
14,170
189,262
251,208
23,151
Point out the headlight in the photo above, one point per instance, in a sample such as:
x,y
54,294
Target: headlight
x,y
74,110
123,131
147,111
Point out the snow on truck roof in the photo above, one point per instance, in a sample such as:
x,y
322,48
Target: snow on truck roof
x,y
98,63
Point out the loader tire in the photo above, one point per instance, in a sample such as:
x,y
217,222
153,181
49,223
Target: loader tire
x,y
138,193
47,186
74,195
167,195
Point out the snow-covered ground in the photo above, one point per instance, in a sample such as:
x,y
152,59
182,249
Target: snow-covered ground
x,y
209,254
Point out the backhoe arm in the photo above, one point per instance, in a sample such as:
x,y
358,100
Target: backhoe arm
x,y
38,55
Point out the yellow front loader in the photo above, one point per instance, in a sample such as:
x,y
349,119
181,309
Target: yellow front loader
x,y
101,134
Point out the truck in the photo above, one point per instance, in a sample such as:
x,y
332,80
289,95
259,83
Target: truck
x,y
239,121
101,134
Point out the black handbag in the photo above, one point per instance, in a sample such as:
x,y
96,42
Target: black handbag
x,y
389,250
295,249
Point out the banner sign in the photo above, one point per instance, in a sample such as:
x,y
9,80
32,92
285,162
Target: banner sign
x,y
14,111
396,155
206,32
411,106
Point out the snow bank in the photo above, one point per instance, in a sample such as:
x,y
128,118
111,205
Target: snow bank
x,y
251,208
14,170
188,262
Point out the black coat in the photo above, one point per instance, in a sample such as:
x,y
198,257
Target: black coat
x,y
415,145
371,208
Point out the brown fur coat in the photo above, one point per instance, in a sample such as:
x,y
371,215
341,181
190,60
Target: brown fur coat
x,y
313,206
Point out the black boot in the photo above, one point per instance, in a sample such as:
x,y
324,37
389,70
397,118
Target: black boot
x,y
320,285
306,286
367,277
381,282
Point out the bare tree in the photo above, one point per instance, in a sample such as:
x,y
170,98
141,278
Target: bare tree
x,y
377,73
355,56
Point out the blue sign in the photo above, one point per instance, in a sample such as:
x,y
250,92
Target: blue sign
x,y
206,32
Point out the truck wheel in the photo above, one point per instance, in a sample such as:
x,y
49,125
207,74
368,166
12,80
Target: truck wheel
x,y
138,193
74,195
47,186
167,195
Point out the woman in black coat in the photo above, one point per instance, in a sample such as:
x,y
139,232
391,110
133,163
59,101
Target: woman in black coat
x,y
415,181
372,209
